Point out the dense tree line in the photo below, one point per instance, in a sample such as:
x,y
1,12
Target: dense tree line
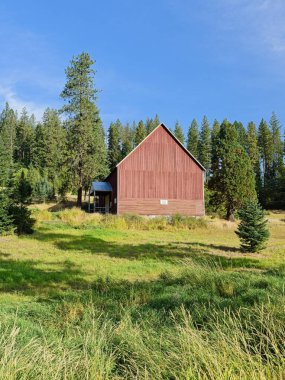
x,y
239,161
69,148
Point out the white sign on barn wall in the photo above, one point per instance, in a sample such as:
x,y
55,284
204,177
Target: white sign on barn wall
x,y
164,202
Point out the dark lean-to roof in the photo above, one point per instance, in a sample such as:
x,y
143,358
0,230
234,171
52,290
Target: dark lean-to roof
x,y
174,138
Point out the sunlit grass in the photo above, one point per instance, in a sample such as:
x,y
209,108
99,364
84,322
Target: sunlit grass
x,y
86,301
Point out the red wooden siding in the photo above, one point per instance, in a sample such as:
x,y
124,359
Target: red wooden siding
x,y
160,169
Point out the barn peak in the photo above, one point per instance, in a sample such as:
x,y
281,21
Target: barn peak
x,y
163,126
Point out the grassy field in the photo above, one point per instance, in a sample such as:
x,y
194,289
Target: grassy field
x,y
95,300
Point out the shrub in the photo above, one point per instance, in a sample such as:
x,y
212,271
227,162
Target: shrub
x,y
158,223
80,219
252,230
77,218
135,221
42,215
187,222
114,221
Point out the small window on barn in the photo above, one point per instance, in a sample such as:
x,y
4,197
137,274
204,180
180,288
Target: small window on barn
x,y
164,202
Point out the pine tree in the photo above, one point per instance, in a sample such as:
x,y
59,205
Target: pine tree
x,y
24,139
214,146
8,123
6,220
38,156
150,126
252,145
193,138
253,153
4,164
140,133
156,121
127,140
20,190
241,131
266,149
100,152
278,147
42,190
265,142
204,146
80,94
252,230
50,150
114,144
178,133
234,177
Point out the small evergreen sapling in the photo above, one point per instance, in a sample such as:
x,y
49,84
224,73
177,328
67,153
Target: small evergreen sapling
x,y
21,215
252,230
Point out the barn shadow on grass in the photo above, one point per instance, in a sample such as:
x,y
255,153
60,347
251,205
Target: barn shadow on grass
x,y
197,252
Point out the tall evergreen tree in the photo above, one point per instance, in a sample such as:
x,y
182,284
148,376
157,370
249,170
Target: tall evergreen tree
x,y
193,138
8,123
265,142
234,178
156,121
266,149
24,139
204,146
4,164
278,147
252,145
241,131
215,132
150,126
178,133
38,155
114,144
80,96
6,219
50,148
127,140
140,133
253,153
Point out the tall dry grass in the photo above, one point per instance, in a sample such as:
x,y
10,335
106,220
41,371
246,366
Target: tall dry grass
x,y
77,218
234,346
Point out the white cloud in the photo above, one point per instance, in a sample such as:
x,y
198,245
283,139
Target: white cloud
x,y
15,102
29,72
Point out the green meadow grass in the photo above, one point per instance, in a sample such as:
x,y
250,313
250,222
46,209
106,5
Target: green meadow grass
x,y
84,298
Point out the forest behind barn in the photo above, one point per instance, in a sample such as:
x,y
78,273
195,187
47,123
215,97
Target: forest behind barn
x,y
69,148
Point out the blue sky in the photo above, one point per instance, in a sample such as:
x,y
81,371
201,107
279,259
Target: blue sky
x,y
178,58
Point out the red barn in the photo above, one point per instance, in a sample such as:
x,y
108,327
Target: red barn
x,y
159,177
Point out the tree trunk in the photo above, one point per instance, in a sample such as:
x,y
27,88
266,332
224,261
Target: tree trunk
x,y
230,213
79,197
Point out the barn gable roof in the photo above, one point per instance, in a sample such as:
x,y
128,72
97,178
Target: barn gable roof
x,y
161,125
